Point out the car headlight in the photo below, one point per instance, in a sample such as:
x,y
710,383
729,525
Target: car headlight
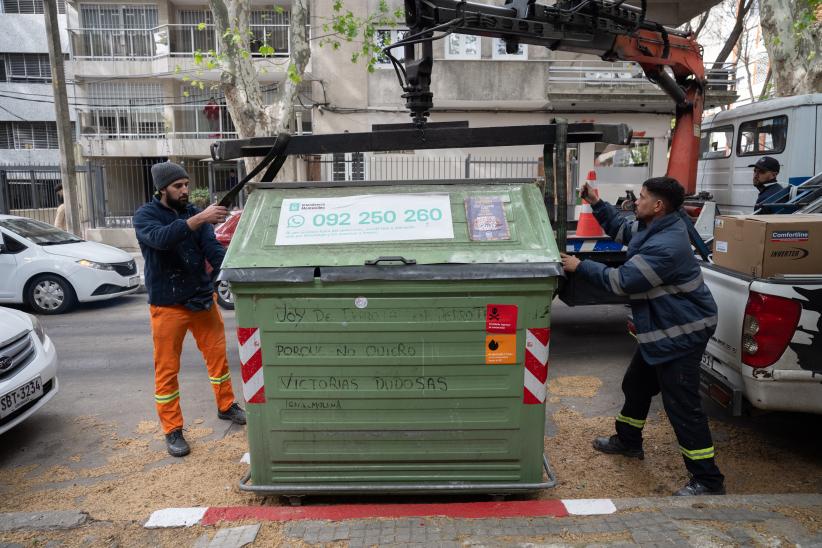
x,y
92,264
38,328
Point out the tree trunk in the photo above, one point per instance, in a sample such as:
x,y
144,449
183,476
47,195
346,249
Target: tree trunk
x,y
702,20
736,32
281,112
795,56
765,86
239,80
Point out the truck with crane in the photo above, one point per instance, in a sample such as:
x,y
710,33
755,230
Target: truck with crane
x,y
612,30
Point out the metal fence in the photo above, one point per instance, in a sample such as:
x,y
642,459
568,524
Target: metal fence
x,y
171,40
30,190
625,74
111,189
405,167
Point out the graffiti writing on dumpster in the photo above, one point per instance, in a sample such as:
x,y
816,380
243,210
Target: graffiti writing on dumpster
x,y
293,382
389,350
411,383
295,316
313,404
382,384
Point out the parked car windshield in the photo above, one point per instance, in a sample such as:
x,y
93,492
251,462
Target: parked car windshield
x,y
38,232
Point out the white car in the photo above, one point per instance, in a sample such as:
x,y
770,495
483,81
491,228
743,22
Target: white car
x,y
50,270
28,367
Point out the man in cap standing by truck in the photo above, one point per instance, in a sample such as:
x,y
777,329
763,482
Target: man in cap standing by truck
x,y
176,239
765,171
674,315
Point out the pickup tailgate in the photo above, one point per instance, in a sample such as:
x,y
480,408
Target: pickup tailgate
x,y
794,381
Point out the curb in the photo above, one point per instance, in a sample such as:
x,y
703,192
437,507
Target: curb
x,y
186,517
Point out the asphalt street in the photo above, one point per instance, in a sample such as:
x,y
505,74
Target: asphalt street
x,y
106,371
106,390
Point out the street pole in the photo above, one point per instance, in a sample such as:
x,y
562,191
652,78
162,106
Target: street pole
x,y
65,140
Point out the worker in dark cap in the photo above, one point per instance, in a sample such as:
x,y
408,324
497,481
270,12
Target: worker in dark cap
x,y
766,169
176,239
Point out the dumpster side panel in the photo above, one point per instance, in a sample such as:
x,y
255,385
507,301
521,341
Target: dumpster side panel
x,y
392,383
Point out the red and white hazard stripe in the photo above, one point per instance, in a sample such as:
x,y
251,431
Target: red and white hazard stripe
x,y
251,358
536,365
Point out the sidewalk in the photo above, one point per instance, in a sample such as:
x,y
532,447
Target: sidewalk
x,y
733,520
743,520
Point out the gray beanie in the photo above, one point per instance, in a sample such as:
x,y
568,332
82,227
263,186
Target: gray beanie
x,y
166,173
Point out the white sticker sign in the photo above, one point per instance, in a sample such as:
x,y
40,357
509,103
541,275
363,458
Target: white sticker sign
x,y
366,218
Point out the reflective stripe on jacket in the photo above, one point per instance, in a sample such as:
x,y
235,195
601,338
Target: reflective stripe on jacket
x,y
673,310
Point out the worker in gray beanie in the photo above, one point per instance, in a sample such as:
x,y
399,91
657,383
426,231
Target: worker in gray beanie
x,y
166,173
176,240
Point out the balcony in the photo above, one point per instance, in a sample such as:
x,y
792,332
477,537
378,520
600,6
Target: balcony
x,y
585,84
168,40
164,49
179,129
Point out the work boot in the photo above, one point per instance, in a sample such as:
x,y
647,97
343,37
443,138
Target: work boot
x,y
234,414
614,446
694,489
176,444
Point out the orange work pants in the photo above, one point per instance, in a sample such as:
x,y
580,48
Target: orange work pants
x,y
169,325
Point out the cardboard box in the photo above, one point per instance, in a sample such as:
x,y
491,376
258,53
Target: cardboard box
x,y
768,245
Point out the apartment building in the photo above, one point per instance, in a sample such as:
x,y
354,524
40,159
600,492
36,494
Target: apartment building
x,y
28,131
132,61
134,67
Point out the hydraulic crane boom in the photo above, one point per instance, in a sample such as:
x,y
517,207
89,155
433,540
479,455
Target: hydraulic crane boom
x,y
614,31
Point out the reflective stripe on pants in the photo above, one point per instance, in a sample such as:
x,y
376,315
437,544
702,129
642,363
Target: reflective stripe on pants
x,y
678,381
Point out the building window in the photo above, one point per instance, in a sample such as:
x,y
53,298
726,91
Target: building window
x,y
118,110
122,32
26,67
348,166
762,136
462,47
386,37
637,154
29,6
716,143
269,28
498,51
28,135
186,36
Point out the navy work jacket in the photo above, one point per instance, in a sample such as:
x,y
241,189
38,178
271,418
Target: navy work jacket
x,y
175,269
673,310
768,194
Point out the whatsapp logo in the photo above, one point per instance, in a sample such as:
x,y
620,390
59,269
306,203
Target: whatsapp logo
x,y
296,221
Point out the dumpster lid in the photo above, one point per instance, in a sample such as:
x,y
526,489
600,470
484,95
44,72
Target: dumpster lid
x,y
393,231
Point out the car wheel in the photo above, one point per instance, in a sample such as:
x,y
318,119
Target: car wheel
x,y
224,297
50,294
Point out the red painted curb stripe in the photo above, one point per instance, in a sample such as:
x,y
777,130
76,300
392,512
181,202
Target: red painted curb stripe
x,y
528,508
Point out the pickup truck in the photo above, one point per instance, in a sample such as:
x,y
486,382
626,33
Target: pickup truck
x,y
767,349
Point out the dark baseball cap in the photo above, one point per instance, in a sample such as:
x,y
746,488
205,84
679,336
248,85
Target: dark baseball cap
x,y
767,163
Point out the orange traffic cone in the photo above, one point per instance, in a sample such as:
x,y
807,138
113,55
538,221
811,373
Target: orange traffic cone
x,y
587,225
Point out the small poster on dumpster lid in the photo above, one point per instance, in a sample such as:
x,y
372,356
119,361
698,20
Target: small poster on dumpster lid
x,y
486,218
365,218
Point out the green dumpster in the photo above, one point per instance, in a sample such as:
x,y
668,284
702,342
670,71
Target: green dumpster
x,y
394,338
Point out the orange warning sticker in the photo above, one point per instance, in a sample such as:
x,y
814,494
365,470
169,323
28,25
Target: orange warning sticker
x,y
500,349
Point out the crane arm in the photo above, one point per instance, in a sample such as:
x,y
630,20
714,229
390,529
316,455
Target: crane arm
x,y
612,30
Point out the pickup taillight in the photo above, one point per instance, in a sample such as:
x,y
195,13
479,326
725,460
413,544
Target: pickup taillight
x,y
768,327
